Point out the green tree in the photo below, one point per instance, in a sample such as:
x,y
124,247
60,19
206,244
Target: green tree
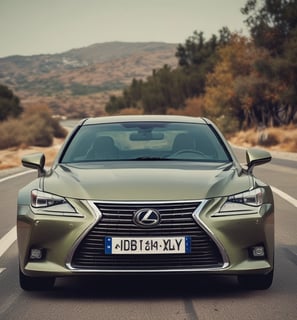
x,y
273,26
162,90
271,22
115,104
221,101
9,104
197,57
237,94
168,87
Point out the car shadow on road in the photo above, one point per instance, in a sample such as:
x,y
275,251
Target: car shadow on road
x,y
144,287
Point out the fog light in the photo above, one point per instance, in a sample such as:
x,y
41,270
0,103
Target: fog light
x,y
258,252
36,254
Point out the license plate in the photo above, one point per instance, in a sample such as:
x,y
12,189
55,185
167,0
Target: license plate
x,y
152,245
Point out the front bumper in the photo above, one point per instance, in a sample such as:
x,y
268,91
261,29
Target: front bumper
x,y
62,239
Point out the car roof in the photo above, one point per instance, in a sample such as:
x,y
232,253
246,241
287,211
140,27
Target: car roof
x,y
137,118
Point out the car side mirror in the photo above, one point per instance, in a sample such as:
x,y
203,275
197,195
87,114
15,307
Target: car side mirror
x,y
35,161
256,157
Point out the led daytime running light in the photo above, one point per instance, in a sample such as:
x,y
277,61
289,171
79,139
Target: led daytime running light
x,y
41,199
250,198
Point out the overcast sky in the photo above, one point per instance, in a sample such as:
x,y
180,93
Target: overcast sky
x,y
30,27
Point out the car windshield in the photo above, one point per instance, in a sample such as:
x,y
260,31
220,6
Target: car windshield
x,y
131,141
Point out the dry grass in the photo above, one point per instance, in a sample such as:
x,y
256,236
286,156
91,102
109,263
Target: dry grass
x,y
275,139
193,107
131,111
11,158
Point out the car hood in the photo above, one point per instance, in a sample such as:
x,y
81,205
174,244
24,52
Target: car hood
x,y
147,181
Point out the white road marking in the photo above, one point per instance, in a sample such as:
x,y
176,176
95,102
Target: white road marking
x,y
7,240
17,175
285,196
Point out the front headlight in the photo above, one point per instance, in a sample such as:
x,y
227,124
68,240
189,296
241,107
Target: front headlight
x,y
242,203
47,203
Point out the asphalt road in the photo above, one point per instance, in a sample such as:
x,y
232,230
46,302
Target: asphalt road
x,y
157,298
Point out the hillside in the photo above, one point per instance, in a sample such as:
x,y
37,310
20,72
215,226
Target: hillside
x,y
78,82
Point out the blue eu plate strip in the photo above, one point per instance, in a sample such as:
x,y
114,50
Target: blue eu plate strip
x,y
108,241
188,244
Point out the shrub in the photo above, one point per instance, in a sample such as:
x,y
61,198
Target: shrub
x,y
131,111
281,138
36,127
10,134
268,138
37,131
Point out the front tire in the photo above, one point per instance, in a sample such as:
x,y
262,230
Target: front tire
x,y
35,283
256,282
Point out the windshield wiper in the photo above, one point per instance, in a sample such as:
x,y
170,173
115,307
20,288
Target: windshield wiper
x,y
144,158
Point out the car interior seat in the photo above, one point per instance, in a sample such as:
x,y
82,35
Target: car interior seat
x,y
103,149
183,141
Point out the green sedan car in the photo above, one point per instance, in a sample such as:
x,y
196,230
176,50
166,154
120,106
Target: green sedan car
x,y
146,194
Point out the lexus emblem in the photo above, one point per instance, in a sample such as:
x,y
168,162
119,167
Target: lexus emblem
x,y
147,217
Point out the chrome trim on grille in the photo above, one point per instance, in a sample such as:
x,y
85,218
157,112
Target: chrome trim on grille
x,y
196,219
185,270
223,252
97,216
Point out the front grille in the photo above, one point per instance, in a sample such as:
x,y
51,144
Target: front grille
x,y
117,221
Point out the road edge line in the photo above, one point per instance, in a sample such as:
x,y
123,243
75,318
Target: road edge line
x,y
285,196
7,240
16,175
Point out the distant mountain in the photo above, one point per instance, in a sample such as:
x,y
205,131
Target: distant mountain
x,y
102,52
83,77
